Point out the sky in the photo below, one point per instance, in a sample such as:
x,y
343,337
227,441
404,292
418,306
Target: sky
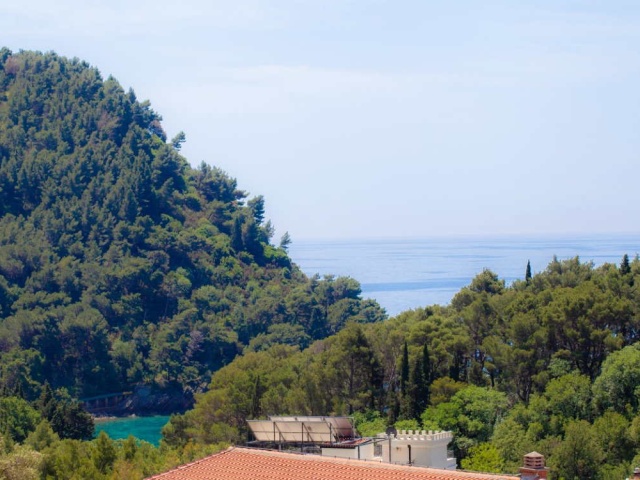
x,y
377,119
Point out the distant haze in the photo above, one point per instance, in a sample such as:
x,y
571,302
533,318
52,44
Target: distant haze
x,y
364,119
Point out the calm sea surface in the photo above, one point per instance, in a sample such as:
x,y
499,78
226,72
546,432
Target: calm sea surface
x,y
406,274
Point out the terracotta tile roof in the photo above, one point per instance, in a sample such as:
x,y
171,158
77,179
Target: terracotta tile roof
x,y
241,463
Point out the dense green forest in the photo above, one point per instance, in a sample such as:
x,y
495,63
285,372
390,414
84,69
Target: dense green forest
x,y
122,266
119,263
550,363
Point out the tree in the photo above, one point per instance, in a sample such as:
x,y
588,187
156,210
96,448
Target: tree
x,y
614,438
256,206
625,267
484,458
42,437
579,455
616,387
421,380
357,369
21,464
527,275
105,453
17,418
178,140
285,241
404,369
471,415
487,282
568,398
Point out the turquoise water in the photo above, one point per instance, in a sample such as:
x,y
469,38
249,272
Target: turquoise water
x,y
403,274
143,428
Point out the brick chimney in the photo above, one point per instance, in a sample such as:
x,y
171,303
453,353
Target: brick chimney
x,y
533,468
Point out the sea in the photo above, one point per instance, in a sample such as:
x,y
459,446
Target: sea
x,y
404,274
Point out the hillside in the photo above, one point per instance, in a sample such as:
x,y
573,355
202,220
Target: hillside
x,y
120,264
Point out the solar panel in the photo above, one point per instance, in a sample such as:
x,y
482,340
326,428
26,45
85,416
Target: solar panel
x,y
298,431
303,429
342,426
263,430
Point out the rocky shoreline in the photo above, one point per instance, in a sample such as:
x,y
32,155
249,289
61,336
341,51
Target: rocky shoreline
x,y
144,401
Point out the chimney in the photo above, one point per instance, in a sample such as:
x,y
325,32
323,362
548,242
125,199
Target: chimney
x,y
636,473
533,468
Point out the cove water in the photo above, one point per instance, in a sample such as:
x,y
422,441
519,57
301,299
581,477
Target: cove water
x,y
147,429
403,274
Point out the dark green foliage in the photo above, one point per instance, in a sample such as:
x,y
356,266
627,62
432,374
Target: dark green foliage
x,y
65,415
119,263
404,369
625,266
527,274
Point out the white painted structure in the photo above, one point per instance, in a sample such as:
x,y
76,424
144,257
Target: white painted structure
x,y
419,448
336,436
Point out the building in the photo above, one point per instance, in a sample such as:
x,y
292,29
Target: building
x,y
336,437
327,448
238,463
417,448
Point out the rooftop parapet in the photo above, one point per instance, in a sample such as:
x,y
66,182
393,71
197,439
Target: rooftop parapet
x,y
423,435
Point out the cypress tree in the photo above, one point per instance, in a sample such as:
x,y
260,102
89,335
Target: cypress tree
x,y
527,275
625,267
417,390
404,369
426,373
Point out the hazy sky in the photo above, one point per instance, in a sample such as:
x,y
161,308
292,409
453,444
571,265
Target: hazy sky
x,y
374,118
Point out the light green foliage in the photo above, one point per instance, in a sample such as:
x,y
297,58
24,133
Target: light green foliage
x,y
617,386
443,389
471,415
410,424
22,463
484,458
17,418
511,440
369,423
42,437
568,398
614,437
104,453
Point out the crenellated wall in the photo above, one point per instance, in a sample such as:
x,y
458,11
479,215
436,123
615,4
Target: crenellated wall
x,y
420,448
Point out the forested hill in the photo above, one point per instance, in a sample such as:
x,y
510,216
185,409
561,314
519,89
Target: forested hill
x,y
120,264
